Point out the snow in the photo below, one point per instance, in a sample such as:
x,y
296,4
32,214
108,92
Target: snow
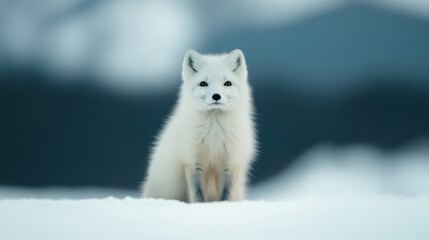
x,y
340,217
352,192
357,169
8,192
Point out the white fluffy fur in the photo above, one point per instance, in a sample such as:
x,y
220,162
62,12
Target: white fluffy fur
x,y
200,134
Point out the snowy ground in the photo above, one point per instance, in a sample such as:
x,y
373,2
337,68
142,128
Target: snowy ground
x,y
332,193
339,217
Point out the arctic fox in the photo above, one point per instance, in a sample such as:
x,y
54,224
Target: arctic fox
x,y
205,149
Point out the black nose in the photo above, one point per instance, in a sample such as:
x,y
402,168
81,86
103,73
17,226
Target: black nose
x,y
216,96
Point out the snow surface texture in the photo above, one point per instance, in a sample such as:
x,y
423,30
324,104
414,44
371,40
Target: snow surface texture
x,y
344,217
331,193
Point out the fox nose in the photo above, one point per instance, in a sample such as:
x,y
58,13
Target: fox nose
x,y
216,96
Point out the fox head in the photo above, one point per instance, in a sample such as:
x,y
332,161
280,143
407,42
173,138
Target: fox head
x,y
215,81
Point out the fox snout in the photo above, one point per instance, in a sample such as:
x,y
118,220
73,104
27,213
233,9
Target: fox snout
x,y
216,97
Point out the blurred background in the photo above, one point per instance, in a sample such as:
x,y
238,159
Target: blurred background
x,y
341,89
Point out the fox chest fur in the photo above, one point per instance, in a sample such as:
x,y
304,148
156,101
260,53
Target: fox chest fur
x,y
213,141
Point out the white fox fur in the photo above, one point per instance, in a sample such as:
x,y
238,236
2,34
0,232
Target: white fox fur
x,y
206,147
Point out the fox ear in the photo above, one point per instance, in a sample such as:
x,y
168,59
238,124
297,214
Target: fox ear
x,y
235,60
192,63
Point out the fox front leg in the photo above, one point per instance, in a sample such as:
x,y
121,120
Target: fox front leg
x,y
226,192
194,185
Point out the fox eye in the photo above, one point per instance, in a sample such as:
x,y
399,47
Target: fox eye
x,y
203,84
227,83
